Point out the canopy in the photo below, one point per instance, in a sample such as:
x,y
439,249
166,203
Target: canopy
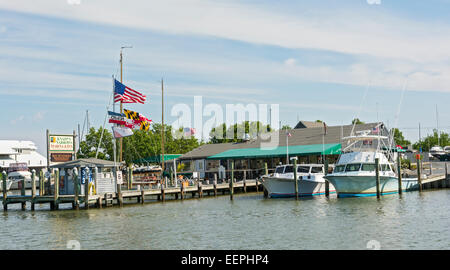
x,y
157,159
280,151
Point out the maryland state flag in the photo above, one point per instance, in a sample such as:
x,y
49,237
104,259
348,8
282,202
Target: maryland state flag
x,y
131,115
145,125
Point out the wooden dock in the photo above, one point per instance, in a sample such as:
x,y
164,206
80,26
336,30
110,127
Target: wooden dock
x,y
108,199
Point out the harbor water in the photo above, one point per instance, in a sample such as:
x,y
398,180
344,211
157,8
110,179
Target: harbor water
x,y
411,221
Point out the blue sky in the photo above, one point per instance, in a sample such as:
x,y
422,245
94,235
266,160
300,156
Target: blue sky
x,y
313,58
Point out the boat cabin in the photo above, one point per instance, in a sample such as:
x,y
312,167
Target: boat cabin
x,y
301,169
364,167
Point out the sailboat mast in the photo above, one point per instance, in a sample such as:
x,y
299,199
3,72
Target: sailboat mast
x,y
437,125
162,126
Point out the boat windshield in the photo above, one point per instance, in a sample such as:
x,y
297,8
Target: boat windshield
x,y
339,168
385,167
353,167
368,167
279,169
316,170
303,169
289,169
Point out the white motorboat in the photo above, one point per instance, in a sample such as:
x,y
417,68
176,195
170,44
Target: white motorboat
x,y
354,174
310,181
438,152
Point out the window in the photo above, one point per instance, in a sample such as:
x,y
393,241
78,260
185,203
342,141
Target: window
x,y
353,167
303,169
339,168
385,167
316,170
289,169
279,169
368,167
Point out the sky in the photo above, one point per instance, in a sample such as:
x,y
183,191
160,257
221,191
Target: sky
x,y
378,60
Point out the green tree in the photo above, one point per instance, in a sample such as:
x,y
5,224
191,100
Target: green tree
x,y
285,127
432,140
400,139
88,147
357,121
236,132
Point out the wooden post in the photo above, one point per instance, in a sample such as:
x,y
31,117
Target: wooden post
x,y
266,171
182,190
295,179
99,202
419,178
445,182
75,181
22,193
215,185
56,189
119,190
199,189
86,188
327,184
143,195
5,191
245,182
377,174
399,172
163,194
33,187
41,183
130,178
231,182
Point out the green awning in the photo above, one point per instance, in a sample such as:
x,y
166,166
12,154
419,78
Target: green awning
x,y
157,159
280,151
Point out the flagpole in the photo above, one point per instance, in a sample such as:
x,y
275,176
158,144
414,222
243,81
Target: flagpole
x,y
104,122
121,106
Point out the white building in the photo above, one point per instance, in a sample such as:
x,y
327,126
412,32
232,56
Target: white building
x,y
12,151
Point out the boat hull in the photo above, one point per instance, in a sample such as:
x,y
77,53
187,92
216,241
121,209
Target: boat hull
x,y
285,188
363,186
8,185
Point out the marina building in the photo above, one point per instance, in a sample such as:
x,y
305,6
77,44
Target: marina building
x,y
310,142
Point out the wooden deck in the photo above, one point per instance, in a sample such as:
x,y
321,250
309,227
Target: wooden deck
x,y
110,199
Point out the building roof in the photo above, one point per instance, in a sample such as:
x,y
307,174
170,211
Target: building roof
x,y
157,159
308,124
302,136
280,151
86,162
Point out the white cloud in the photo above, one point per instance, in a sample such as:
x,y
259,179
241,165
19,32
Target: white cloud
x,y
290,62
374,2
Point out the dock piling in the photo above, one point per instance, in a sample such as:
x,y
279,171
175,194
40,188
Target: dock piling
x,y
399,172
5,192
22,192
56,190
231,182
75,188
182,191
419,178
377,174
86,188
163,194
33,187
41,183
295,179
327,184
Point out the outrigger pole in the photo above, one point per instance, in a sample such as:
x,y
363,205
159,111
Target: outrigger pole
x,y
162,128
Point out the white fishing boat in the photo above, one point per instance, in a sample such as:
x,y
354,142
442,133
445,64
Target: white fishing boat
x,y
16,180
438,152
310,181
354,174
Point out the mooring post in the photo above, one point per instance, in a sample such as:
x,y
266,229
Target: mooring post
x,y
182,190
419,178
295,179
86,187
200,189
377,174
41,183
5,191
231,182
22,193
245,182
445,183
399,172
130,179
266,171
215,185
56,190
75,188
119,188
327,184
95,173
431,168
143,195
33,187
163,194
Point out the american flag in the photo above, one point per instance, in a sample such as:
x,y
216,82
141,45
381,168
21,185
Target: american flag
x,y
126,94
375,130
